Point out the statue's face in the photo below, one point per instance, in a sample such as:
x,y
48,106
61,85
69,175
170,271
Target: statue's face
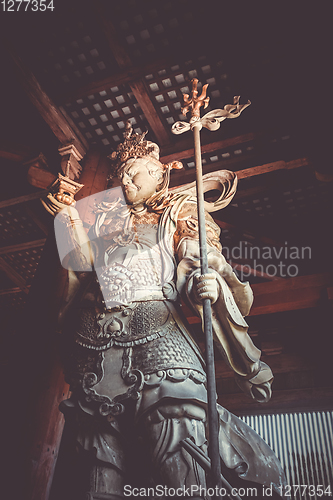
x,y
140,179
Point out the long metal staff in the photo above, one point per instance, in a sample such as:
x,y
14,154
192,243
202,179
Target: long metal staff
x,y
211,121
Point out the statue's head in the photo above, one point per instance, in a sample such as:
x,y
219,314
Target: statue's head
x,y
144,178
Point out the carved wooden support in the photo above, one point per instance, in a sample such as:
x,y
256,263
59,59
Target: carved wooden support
x,y
38,173
70,158
63,187
39,161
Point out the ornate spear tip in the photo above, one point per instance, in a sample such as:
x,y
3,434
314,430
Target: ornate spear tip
x,y
194,102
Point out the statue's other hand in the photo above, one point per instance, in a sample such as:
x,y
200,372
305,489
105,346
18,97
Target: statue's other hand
x,y
206,287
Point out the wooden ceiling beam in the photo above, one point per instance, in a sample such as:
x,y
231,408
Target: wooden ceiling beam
x,y
142,96
22,246
184,149
272,167
181,176
298,282
26,197
65,130
43,178
290,294
11,291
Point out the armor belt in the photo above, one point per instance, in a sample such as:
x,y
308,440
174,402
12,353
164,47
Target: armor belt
x,y
144,346
134,326
123,326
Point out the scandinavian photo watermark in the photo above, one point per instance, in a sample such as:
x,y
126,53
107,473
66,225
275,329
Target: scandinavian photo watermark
x,y
269,261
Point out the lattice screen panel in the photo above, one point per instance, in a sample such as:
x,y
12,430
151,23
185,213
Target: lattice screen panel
x,y
12,301
24,262
307,199
74,51
17,227
262,206
5,282
101,117
151,31
168,85
293,203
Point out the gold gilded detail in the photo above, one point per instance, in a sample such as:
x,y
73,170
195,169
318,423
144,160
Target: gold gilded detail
x,y
194,102
134,145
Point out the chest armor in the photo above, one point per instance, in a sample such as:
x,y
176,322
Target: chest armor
x,y
131,264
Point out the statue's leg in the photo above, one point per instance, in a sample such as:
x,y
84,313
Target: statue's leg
x,y
102,458
173,467
106,482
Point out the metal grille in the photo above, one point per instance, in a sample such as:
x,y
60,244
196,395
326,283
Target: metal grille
x,y
102,116
24,262
168,85
17,227
303,442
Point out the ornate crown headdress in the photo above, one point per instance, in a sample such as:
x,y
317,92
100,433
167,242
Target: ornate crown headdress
x,y
136,146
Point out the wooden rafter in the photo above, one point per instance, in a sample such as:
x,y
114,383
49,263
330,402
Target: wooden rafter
x,y
141,94
184,149
182,177
11,291
271,167
27,197
42,178
22,246
300,292
296,283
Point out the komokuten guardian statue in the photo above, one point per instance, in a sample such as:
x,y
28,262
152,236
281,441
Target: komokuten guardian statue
x,y
136,374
